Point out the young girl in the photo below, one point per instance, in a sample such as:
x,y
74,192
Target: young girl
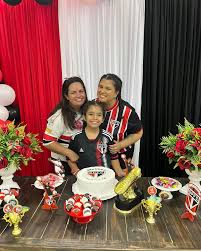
x,y
92,143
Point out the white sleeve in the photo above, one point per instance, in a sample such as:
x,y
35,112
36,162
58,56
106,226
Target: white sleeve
x,y
55,128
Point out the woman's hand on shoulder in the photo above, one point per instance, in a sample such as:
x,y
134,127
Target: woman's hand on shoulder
x,y
115,148
72,156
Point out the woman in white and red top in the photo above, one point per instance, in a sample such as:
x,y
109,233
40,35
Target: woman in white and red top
x,y
65,120
121,120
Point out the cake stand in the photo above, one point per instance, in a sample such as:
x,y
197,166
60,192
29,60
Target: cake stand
x,y
101,196
168,190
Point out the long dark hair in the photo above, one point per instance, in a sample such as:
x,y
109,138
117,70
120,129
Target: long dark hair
x,y
116,80
66,109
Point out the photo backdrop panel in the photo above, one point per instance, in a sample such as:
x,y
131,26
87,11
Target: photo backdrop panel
x,y
97,37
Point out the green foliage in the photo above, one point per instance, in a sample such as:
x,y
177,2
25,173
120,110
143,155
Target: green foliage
x,y
17,146
183,148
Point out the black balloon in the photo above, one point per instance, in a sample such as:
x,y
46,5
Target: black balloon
x,y
12,2
44,2
14,113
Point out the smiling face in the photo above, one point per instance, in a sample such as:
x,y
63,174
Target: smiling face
x,y
107,93
76,95
94,116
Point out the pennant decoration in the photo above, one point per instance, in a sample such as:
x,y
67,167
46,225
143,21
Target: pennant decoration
x,y
192,202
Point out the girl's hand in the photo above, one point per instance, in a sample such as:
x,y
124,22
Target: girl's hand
x,y
72,156
116,147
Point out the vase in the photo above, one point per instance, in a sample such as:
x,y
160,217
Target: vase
x,y
7,177
194,177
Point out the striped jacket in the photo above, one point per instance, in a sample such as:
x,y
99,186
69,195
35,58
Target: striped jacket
x,y
120,121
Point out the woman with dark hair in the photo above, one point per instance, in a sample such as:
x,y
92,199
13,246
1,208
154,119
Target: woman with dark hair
x,y
64,121
121,120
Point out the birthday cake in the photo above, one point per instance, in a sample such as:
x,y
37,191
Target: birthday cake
x,y
97,181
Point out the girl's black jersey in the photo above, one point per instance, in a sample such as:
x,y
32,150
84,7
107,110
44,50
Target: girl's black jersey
x,y
93,152
120,121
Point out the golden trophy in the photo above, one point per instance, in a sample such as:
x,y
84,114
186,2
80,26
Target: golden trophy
x,y
13,215
128,194
152,205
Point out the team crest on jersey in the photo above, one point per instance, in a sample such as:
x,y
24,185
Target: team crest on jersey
x,y
78,124
102,147
114,123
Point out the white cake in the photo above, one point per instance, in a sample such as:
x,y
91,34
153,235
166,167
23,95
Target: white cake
x,y
97,181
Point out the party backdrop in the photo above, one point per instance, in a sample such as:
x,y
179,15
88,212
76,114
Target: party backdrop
x,y
171,77
30,62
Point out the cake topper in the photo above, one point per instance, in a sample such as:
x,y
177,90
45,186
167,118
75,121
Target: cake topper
x,y
128,194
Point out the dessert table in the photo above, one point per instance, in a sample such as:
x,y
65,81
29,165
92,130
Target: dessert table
x,y
54,230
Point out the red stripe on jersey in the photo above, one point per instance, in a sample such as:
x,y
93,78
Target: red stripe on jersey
x,y
98,154
113,117
124,123
49,138
65,137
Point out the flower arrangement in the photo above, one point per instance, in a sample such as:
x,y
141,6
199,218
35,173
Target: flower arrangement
x,y
184,148
16,146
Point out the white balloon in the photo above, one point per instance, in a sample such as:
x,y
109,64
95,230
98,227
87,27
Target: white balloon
x,y
89,1
7,95
4,114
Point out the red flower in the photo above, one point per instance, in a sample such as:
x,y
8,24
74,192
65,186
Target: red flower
x,y
180,136
198,130
27,141
170,155
26,152
184,164
3,162
4,126
180,146
18,149
197,145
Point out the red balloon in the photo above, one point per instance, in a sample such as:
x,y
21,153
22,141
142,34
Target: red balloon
x,y
1,75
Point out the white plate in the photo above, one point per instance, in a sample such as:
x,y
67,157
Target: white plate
x,y
169,189
57,183
101,197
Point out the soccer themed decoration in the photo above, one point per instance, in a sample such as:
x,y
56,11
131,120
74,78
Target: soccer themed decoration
x,y
48,183
192,202
13,214
58,167
152,204
129,195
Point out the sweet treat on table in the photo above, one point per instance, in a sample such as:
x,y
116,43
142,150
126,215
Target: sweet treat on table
x,y
166,182
97,181
164,195
87,212
83,205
